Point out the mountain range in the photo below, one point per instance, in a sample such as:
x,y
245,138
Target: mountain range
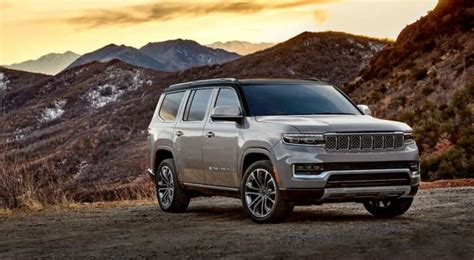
x,y
172,55
88,123
177,55
241,47
51,63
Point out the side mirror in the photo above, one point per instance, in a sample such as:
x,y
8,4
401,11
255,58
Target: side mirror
x,y
365,109
226,113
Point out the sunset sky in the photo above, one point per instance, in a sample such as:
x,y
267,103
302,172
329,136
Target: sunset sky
x,y
31,28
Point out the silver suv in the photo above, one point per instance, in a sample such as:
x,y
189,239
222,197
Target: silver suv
x,y
276,144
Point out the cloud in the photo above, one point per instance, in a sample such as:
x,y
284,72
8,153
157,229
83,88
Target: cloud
x,y
164,11
321,16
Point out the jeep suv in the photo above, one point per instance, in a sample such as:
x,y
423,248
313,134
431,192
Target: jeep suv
x,y
276,144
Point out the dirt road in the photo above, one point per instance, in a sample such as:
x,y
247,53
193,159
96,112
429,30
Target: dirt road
x,y
440,225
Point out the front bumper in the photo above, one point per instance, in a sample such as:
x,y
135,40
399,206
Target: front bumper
x,y
360,194
286,156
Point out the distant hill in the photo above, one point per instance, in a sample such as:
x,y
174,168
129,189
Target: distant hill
x,y
48,64
183,54
124,53
426,78
241,47
173,55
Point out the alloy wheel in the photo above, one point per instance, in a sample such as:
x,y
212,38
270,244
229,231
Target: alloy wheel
x,y
260,193
165,186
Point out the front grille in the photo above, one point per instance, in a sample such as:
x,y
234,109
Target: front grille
x,y
367,180
364,142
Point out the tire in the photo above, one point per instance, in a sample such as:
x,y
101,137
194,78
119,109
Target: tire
x,y
388,208
259,187
170,194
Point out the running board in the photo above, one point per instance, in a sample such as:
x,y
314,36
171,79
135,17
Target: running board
x,y
213,190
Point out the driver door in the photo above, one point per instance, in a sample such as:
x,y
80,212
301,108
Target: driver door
x,y
221,144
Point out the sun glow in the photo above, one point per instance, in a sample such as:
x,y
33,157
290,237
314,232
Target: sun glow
x,y
31,28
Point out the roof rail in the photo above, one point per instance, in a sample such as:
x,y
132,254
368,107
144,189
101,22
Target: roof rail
x,y
314,79
204,81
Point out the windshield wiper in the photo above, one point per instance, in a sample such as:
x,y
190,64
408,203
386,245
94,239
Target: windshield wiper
x,y
329,113
306,114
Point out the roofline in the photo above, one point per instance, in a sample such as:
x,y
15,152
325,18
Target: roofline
x,y
203,81
229,81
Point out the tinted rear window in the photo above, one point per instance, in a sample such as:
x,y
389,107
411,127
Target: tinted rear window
x,y
169,107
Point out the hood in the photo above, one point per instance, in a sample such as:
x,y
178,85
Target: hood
x,y
336,123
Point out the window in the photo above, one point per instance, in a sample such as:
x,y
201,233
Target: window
x,y
296,99
169,107
228,98
198,105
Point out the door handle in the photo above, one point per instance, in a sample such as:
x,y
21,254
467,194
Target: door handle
x,y
210,134
178,133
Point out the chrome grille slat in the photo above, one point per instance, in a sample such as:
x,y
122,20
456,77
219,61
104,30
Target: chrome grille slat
x,y
364,141
367,142
378,142
343,142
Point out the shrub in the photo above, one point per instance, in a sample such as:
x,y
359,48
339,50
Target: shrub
x,y
455,121
420,73
428,89
451,164
23,189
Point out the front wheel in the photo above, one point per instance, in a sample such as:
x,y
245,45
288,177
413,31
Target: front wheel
x,y
261,197
388,208
171,195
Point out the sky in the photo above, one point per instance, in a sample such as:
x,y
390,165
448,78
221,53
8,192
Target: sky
x,y
32,28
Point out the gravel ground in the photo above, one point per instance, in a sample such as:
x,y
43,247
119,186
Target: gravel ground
x,y
439,225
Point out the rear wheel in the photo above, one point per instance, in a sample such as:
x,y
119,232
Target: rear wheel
x,y
171,195
388,208
261,197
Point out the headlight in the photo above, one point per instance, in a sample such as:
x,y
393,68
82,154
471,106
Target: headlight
x,y
408,137
306,139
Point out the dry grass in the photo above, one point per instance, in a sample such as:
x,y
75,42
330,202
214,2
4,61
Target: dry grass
x,y
447,183
21,188
37,186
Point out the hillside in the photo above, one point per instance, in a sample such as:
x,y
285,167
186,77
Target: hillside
x,y
85,128
51,63
426,78
241,47
16,88
332,57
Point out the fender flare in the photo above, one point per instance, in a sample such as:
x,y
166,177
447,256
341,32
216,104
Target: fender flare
x,y
259,150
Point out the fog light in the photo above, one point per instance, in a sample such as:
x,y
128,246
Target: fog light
x,y
414,166
307,169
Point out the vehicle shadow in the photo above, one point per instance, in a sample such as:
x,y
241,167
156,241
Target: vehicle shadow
x,y
307,214
222,213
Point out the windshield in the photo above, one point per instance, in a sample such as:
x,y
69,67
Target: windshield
x,y
296,99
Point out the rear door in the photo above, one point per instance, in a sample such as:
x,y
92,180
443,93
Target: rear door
x,y
221,144
189,138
